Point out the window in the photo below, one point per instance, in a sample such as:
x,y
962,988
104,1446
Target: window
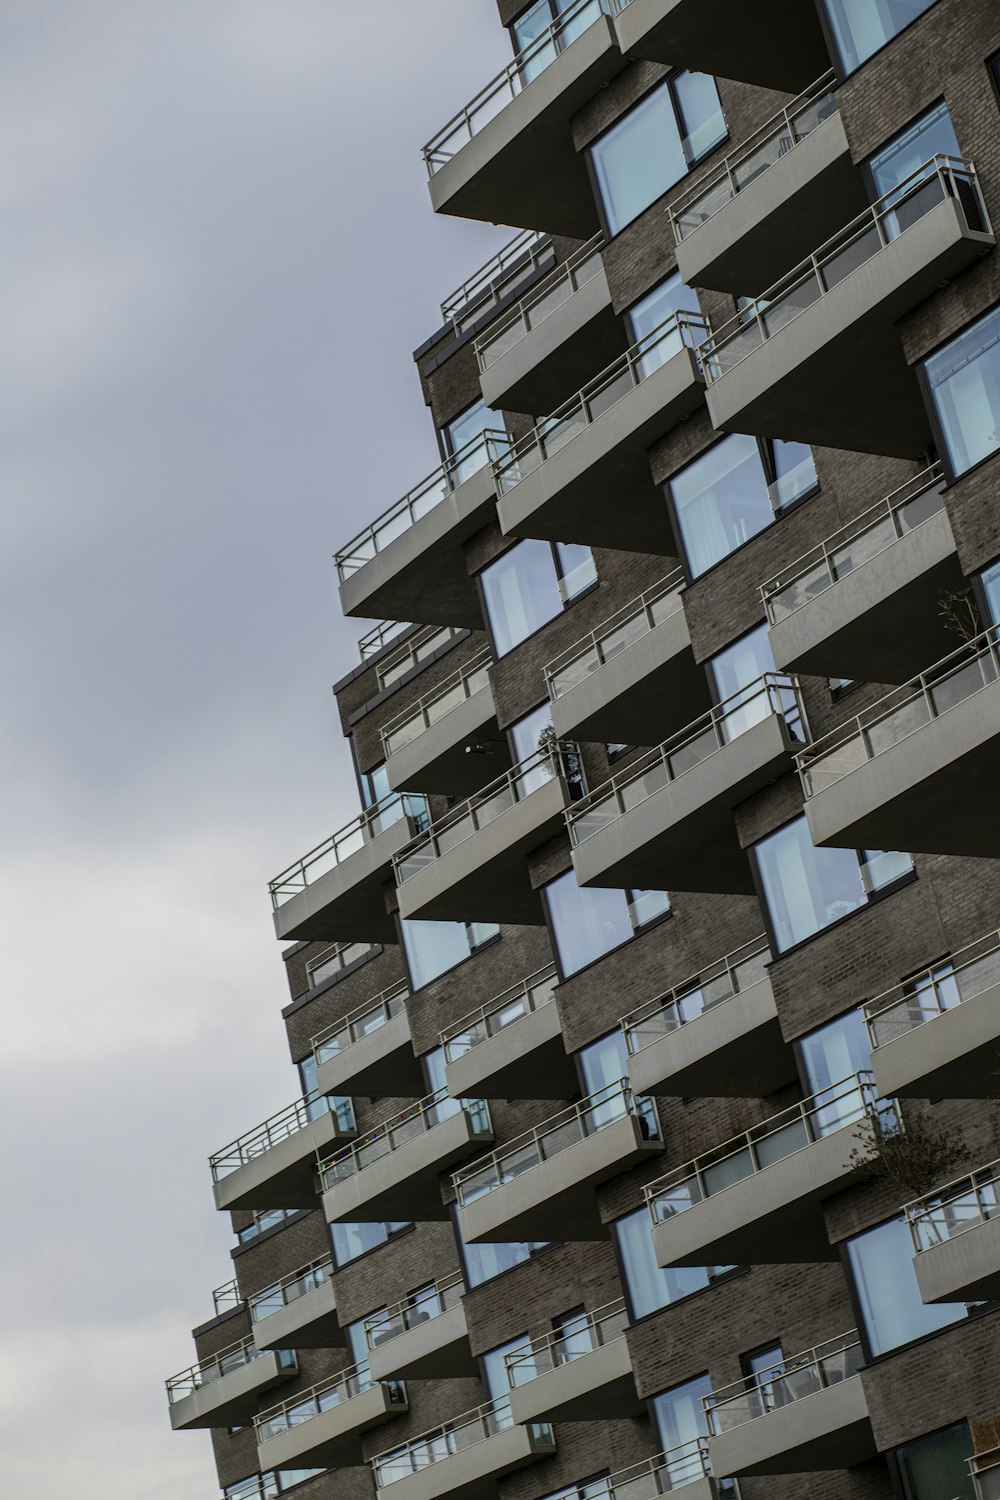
x,y
937,1465
535,732
480,1263
457,435
830,1054
806,889
649,1287
736,672
990,580
932,135
375,789
861,27
652,311
642,156
885,1285
537,19
964,383
587,923
351,1241
321,1104
432,948
268,1218
531,584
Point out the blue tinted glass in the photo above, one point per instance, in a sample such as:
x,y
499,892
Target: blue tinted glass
x,y
648,1286
432,948
991,588
638,159
679,1414
892,1311
521,591
964,379
585,923
577,571
794,471
861,27
703,124
721,501
805,888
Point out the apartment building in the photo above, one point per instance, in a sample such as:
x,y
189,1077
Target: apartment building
x,y
646,1011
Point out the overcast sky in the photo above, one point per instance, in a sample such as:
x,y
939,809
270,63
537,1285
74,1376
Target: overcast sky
x,y
218,256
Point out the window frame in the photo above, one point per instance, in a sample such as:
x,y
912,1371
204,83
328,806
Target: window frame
x,y
892,1461
938,439
472,1287
473,953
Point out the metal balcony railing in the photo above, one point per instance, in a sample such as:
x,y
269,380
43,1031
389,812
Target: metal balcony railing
x,y
835,1108
521,257
267,1486
754,156
631,623
502,1011
370,1016
437,704
418,502
442,1442
331,959
207,1371
380,636
516,461
894,517
865,237
902,712
287,1122
773,694
420,1307
718,982
582,1335
800,1375
537,1146
964,1204
507,332
227,1298
514,79
662,1475
347,841
399,1131
290,1289
307,1405
937,989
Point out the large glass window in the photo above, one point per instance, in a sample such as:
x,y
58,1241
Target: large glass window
x,y
679,1414
932,135
587,923
648,1287
885,1284
530,25
964,382
432,948
480,1263
835,1051
861,27
495,1369
652,311
937,1465
655,145
321,1104
529,585
463,430
350,1241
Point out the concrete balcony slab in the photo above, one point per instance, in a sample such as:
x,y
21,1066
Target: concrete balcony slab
x,y
404,1184
435,1349
379,1064
728,40
525,1060
332,1438
965,1268
347,902
475,1466
594,1387
438,758
825,1430
283,1175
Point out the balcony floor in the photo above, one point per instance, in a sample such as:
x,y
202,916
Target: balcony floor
x,y
827,1430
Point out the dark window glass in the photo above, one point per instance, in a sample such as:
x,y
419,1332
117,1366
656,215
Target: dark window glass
x,y
586,923
964,381
432,948
721,500
350,1241
932,135
937,1465
648,1287
529,585
885,1283
861,27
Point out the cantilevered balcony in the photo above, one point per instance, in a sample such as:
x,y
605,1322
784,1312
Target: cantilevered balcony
x,y
555,482
369,1051
511,1047
335,891
392,1172
323,1426
783,50
470,865
739,226
938,1035
427,745
865,603
666,822
805,1415
468,1455
272,1165
508,157
223,1391
297,1312
918,769
715,1035
956,1239
540,1185
497,283
558,334
579,1373
416,652
684,1467
756,1199
424,1337
818,358
409,564
633,678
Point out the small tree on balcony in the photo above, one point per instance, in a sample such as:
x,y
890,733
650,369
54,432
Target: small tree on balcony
x,y
911,1160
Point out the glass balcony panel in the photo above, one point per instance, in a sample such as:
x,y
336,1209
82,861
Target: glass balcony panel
x,y
721,1175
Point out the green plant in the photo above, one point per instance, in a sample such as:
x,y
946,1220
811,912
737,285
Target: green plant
x,y
909,1160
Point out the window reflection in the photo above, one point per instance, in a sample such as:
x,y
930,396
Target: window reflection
x,y
648,1287
529,585
432,948
885,1283
964,381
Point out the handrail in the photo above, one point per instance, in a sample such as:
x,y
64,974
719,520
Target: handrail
x,y
397,1131
345,842
380,636
515,461
799,1375
227,1298
424,497
305,1405
410,656
435,705
503,89
419,1307
580,268
278,1127
967,972
333,956
213,1368
817,275
775,693
632,622
903,711
838,555
485,287
333,1039
290,1288
965,1203
753,156
474,1028
442,1441
834,1108
717,982
582,1335
667,1472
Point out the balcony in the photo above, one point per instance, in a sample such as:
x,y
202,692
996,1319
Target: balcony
x,y
369,1051
298,1312
818,358
715,1036
633,677
577,1374
323,1426
410,563
522,260
508,157
938,1035
272,1165
806,1415
540,1185
419,649
956,1239
666,822
757,1199
471,865
554,483
223,1391
865,603
469,1455
547,346
512,1047
916,770
684,1467
783,53
427,745
424,1337
392,1172
335,891
740,225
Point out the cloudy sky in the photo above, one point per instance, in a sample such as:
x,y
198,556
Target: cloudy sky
x,y
218,257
